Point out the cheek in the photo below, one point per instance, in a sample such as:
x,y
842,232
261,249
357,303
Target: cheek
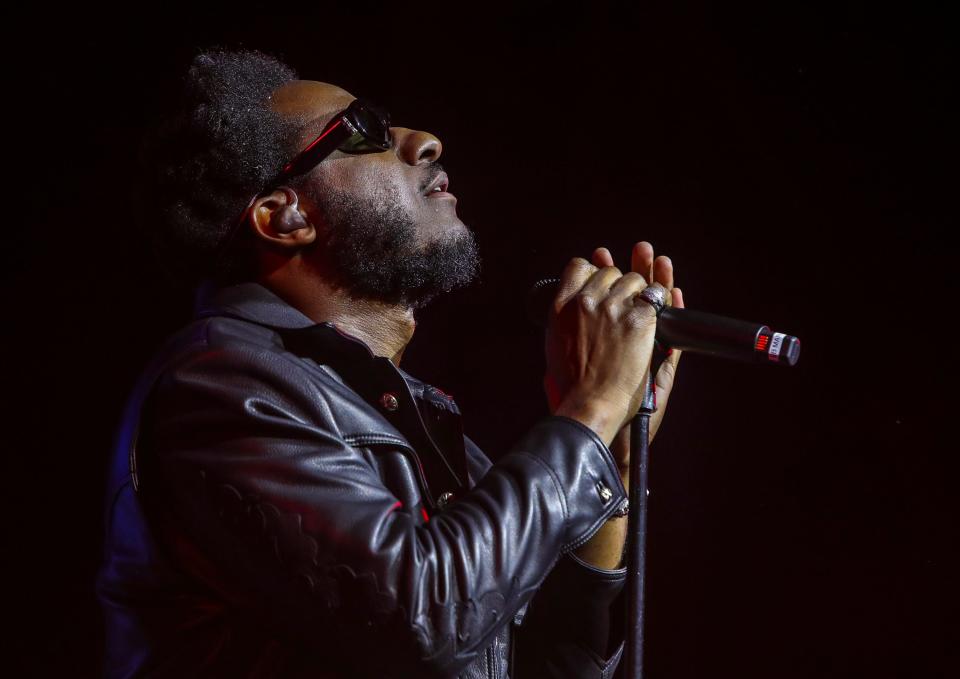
x,y
339,176
372,182
390,188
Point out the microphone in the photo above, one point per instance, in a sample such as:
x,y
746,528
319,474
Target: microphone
x,y
695,331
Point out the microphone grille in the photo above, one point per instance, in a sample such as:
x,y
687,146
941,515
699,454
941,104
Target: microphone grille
x,y
539,299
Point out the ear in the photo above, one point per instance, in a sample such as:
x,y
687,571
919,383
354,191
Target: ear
x,y
277,218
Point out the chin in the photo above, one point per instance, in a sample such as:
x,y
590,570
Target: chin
x,y
444,230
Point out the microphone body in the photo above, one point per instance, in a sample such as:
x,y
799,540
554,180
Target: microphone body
x,y
696,331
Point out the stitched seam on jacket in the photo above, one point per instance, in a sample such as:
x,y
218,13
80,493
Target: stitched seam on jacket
x,y
608,574
368,439
556,483
608,667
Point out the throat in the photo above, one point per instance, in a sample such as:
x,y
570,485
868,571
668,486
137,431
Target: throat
x,y
385,329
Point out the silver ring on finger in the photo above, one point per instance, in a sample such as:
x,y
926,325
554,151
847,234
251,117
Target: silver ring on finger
x,y
655,296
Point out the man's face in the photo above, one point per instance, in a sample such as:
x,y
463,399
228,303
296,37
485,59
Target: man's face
x,y
382,233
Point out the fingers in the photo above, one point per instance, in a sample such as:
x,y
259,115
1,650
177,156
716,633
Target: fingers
x,y
575,274
663,272
583,279
599,277
666,374
641,259
626,287
677,298
659,269
598,285
601,258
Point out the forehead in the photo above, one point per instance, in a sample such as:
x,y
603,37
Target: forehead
x,y
310,103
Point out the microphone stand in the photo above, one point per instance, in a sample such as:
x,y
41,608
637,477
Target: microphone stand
x,y
637,522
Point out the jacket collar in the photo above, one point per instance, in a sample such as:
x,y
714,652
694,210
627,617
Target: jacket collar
x,y
250,301
254,302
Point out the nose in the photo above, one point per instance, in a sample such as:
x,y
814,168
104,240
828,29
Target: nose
x,y
416,147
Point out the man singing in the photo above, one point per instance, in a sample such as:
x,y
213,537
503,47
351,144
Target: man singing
x,y
284,500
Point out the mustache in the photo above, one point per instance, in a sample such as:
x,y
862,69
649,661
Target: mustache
x,y
433,171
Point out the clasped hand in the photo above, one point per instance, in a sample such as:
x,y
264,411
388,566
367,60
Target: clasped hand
x,y
599,344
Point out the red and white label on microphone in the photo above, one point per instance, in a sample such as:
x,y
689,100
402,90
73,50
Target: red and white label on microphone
x,y
776,343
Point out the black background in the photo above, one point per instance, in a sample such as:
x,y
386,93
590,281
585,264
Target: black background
x,y
795,160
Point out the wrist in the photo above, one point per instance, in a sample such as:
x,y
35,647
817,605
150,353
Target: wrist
x,y
603,417
620,447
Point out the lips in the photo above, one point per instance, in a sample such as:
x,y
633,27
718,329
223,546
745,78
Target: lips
x,y
441,182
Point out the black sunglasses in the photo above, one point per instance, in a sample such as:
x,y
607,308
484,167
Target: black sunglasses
x,y
362,127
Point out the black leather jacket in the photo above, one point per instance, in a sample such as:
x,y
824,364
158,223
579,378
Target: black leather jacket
x,y
283,503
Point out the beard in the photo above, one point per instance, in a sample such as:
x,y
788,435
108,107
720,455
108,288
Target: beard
x,y
371,249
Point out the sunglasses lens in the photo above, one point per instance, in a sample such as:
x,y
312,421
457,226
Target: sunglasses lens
x,y
360,144
373,122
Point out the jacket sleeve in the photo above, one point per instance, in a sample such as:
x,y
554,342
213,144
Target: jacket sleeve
x,y
257,494
574,625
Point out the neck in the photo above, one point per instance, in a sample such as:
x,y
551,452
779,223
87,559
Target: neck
x,y
385,328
